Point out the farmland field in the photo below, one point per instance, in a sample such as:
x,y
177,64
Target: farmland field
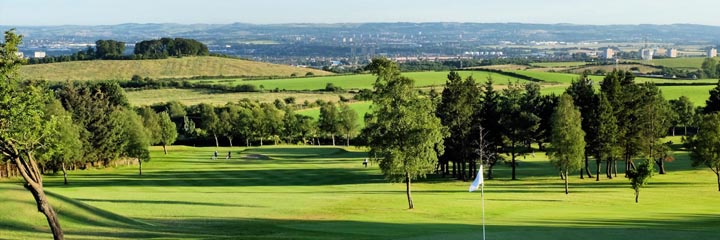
x,y
324,193
164,68
691,63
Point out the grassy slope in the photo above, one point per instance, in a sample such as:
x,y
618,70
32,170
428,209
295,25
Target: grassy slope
x,y
164,68
324,193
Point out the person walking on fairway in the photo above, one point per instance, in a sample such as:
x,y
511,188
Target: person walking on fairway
x,y
228,155
215,155
365,163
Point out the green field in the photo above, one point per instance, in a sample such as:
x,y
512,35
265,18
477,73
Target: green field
x,y
196,96
287,192
363,81
164,68
692,63
559,64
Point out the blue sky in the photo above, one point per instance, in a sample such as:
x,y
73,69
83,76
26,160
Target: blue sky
x,y
97,12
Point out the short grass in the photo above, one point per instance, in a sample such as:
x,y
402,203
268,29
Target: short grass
x,y
689,63
196,96
325,193
363,81
164,68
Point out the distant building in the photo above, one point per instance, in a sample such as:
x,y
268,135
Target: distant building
x,y
671,53
608,53
712,52
646,53
39,55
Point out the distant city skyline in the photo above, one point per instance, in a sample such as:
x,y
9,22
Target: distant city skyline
x,y
593,12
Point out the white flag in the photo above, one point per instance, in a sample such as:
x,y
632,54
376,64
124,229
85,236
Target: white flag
x,y
478,180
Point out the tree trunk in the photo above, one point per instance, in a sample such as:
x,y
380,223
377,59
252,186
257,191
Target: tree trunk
x,y
562,177
348,140
661,165
597,173
333,139
407,190
44,207
261,142
140,166
490,172
587,167
637,195
566,183
513,163
165,149
718,177
247,142
230,140
673,131
614,168
64,173
33,183
217,143
685,130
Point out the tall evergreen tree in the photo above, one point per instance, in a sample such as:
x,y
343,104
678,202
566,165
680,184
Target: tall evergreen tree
x,y
705,145
517,125
607,148
712,105
490,116
456,111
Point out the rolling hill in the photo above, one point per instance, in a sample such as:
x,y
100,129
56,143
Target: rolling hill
x,y
163,68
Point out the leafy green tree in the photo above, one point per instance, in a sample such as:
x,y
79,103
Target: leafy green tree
x,y
710,68
273,122
209,121
329,122
64,145
705,145
23,126
405,139
640,176
517,125
292,125
585,98
684,111
136,140
151,122
568,138
225,125
308,128
348,122
168,131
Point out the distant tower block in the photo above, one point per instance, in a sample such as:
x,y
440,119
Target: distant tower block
x,y
647,53
609,53
712,52
671,53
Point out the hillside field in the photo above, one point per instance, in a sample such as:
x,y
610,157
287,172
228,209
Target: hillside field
x,y
197,96
688,63
185,67
363,81
290,192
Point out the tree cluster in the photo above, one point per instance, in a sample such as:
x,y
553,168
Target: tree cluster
x,y
168,47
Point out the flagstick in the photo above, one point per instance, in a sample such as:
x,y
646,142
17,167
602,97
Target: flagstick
x,y
482,194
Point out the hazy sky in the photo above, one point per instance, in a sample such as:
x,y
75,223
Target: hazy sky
x,y
97,12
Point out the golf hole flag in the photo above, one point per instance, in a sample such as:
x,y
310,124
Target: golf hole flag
x,y
478,180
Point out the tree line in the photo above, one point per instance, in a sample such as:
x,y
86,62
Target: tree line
x,y
148,49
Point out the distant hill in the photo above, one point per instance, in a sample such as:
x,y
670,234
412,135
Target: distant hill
x,y
164,68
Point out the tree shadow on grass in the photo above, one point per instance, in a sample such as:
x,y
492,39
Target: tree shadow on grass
x,y
230,178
